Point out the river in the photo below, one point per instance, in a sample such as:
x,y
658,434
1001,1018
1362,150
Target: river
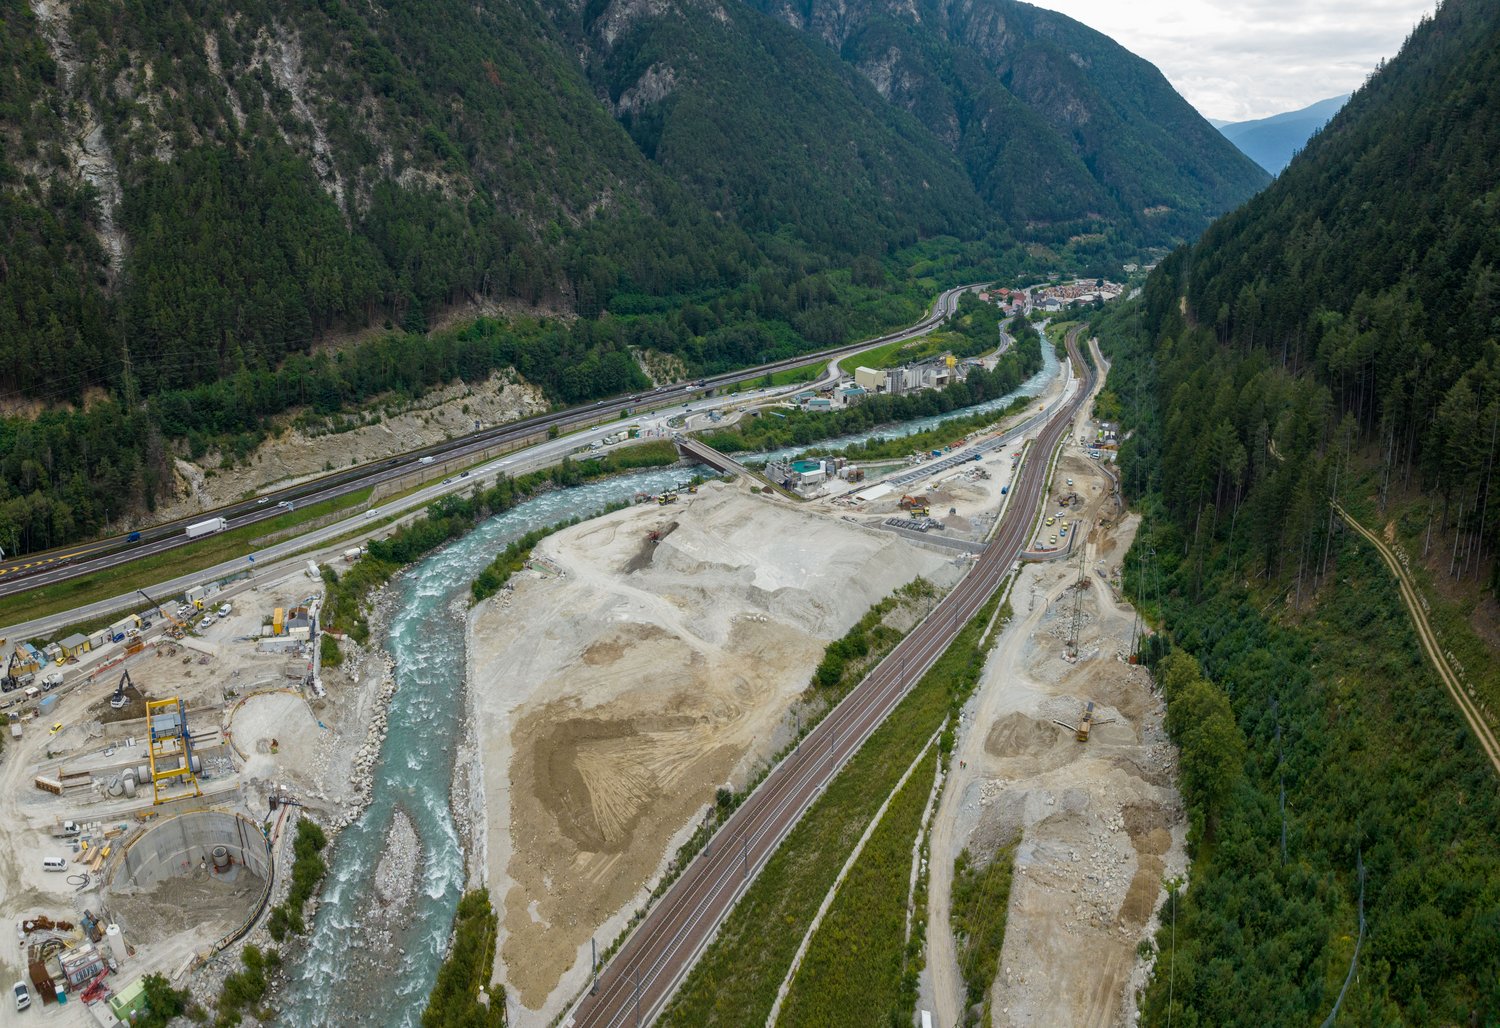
x,y
1033,386
414,773
329,982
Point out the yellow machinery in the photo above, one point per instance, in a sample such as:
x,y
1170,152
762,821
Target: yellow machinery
x,y
1081,731
171,750
178,629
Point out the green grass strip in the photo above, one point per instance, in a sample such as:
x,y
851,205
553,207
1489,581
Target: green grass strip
x,y
980,903
736,980
854,968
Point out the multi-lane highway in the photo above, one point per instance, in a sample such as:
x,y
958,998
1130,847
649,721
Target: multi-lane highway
x,y
43,568
636,984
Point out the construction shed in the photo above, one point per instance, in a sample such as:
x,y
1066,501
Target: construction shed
x,y
74,645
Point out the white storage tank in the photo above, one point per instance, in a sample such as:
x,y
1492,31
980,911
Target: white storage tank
x,y
115,940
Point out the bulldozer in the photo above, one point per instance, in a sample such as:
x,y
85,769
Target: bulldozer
x,y
1085,723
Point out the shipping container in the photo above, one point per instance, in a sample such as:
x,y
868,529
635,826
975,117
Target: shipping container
x,y
208,527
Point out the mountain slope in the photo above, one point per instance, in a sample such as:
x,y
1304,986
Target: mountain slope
x,y
1271,142
1336,337
772,132
1058,126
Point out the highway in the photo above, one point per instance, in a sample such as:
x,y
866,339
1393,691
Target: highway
x,y
636,984
43,568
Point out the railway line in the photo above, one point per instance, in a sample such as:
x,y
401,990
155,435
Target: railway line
x,y
636,984
27,571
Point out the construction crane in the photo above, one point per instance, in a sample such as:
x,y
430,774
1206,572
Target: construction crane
x,y
178,628
1081,730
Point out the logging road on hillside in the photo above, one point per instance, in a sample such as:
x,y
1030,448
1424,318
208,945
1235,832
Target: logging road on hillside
x,y
1434,649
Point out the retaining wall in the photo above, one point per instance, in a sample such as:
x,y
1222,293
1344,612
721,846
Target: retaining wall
x,y
177,845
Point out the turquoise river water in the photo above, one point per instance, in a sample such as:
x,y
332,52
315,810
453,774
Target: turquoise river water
x,y
415,770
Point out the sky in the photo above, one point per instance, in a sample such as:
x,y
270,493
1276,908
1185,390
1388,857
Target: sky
x,y
1242,59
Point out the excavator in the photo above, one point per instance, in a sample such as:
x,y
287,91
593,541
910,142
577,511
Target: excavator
x,y
11,681
118,700
178,629
1081,731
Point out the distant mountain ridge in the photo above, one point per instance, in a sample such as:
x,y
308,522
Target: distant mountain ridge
x,y
1271,142
1060,128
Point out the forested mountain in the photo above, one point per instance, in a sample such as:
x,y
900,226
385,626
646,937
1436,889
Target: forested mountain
x,y
1337,336
1058,126
193,195
1271,142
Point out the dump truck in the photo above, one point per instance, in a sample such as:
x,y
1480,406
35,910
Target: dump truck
x,y
208,527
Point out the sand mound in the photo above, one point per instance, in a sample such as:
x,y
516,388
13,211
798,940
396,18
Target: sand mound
x,y
614,699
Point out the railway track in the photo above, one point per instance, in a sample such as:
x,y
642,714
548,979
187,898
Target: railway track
x,y
634,986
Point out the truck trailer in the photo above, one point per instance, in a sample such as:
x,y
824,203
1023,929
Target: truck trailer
x,y
208,527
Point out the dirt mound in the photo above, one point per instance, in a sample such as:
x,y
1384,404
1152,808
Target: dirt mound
x,y
1016,735
613,700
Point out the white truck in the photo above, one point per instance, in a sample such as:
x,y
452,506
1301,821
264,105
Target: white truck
x,y
208,527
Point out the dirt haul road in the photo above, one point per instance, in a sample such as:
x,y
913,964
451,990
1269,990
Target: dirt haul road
x,y
1099,823
619,684
643,975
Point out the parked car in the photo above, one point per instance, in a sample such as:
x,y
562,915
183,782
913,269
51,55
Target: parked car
x,y
22,994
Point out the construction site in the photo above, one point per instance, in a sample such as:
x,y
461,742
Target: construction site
x,y
645,660
1062,754
144,797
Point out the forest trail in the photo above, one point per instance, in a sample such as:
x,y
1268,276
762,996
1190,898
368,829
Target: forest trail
x,y
1415,606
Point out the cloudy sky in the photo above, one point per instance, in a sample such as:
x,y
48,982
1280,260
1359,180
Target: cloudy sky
x,y
1241,59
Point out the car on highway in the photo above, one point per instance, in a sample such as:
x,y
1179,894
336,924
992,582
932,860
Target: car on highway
x,y
464,474
424,460
133,537
262,501
447,481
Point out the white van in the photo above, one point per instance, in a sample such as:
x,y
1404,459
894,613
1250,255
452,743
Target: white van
x,y
54,863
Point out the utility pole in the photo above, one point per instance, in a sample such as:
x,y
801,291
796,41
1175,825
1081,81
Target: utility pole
x,y
1072,651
